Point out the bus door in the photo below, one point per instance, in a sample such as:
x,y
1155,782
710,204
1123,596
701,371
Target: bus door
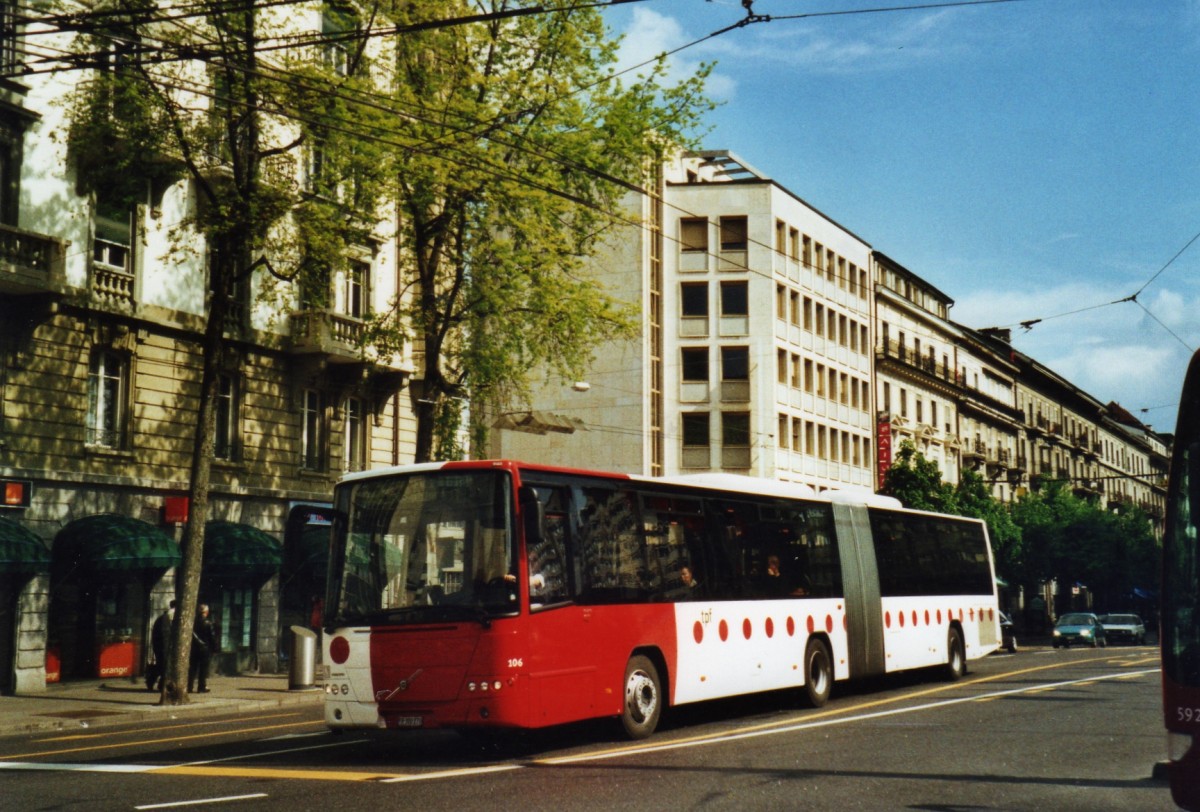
x,y
860,578
557,655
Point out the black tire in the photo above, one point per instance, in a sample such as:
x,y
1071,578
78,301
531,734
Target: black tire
x,y
1012,645
818,673
642,698
1100,642
956,655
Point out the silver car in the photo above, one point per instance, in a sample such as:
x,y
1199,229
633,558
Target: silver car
x,y
1124,629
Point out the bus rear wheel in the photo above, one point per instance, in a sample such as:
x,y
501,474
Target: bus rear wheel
x,y
956,663
818,673
643,698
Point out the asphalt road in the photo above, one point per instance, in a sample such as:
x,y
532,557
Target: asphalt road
x,y
1042,729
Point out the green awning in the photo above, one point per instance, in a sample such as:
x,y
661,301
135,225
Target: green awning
x,y
109,541
232,550
21,552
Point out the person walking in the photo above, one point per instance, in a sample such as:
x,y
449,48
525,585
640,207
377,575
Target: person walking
x,y
159,633
204,643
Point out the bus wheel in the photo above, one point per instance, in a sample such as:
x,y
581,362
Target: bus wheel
x,y
643,698
818,673
956,665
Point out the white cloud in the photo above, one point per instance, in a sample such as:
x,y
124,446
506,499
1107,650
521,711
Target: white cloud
x,y
1113,352
852,49
650,34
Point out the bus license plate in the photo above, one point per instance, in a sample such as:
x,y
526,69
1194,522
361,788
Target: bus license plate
x,y
408,721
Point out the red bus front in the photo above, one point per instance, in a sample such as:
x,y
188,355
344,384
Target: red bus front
x,y
431,612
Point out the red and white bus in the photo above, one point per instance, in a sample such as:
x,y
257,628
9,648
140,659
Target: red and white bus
x,y
501,594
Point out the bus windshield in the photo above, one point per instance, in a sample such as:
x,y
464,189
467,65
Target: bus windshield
x,y
421,547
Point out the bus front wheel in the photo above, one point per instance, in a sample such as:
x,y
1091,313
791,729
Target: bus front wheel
x,y
643,698
956,663
818,673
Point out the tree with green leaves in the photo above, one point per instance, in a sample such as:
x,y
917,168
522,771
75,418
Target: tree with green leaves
x,y
212,105
1074,540
917,482
520,146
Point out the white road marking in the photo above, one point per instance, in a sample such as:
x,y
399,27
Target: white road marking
x,y
198,801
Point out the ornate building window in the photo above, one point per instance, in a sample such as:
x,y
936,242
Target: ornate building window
x,y
108,376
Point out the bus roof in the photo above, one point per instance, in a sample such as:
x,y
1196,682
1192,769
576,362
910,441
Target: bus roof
x,y
735,483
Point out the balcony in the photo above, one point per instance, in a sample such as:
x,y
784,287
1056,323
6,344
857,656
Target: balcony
x,y
337,337
31,264
895,351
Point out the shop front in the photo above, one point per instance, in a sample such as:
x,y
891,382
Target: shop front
x,y
105,568
305,564
23,557
239,582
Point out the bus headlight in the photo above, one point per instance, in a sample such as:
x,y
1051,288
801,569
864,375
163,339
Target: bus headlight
x,y
484,685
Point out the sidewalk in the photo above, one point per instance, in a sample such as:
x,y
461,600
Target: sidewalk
x,y
82,704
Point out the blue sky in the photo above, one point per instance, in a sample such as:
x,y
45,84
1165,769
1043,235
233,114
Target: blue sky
x,y
1028,158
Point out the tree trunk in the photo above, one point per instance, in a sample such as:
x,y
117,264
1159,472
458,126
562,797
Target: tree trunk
x,y
187,579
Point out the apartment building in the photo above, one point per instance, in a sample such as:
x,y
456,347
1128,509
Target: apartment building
x,y
917,386
1101,450
101,319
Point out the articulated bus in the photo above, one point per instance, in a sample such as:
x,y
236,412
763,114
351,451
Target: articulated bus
x,y
1180,616
503,595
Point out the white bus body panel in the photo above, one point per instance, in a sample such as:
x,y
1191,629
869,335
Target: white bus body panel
x,y
757,651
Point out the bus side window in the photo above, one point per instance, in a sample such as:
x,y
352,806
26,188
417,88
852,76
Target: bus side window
x,y
547,547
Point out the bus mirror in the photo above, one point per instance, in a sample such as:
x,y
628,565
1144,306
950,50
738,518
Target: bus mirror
x,y
533,515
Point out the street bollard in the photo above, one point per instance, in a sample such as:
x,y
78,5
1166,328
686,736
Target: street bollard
x,y
302,670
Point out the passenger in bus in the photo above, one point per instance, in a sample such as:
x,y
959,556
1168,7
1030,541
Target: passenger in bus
x,y
776,585
773,567
691,586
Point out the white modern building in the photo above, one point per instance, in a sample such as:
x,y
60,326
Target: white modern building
x,y
756,352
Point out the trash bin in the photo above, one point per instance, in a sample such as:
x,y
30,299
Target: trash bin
x,y
302,670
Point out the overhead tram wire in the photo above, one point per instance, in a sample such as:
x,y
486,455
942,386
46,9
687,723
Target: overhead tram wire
x,y
79,23
499,173
889,9
1028,324
283,76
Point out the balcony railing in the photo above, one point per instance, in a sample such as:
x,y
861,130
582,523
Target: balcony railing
x,y
324,332
111,283
31,263
895,350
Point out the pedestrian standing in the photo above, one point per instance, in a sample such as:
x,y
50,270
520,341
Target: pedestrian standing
x,y
204,643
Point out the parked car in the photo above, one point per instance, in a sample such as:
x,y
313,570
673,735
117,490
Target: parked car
x,y
1008,640
1079,627
1124,629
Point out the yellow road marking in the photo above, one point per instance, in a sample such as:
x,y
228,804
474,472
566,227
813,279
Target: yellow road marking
x,y
157,728
168,740
274,772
